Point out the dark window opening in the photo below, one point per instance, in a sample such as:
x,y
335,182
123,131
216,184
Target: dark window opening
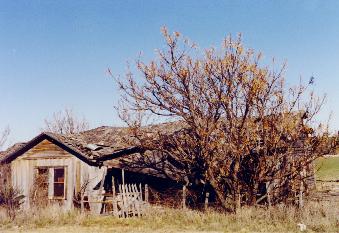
x,y
59,182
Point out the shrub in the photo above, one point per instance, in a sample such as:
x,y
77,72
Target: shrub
x,y
10,199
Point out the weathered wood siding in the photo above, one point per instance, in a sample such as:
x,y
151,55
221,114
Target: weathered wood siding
x,y
5,174
47,154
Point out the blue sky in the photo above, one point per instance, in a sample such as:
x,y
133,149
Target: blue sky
x,y
54,54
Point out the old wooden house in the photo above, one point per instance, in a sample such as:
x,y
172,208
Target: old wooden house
x,y
55,168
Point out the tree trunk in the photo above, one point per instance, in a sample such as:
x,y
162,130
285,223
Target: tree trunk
x,y
237,199
219,193
253,195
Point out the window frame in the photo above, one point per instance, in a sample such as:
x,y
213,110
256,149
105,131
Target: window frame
x,y
64,197
51,182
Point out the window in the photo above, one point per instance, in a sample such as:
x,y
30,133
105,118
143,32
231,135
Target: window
x,y
52,180
59,182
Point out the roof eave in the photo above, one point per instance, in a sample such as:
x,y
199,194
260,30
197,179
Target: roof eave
x,y
15,154
123,152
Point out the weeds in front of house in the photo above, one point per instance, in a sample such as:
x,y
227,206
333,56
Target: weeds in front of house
x,y
318,217
10,200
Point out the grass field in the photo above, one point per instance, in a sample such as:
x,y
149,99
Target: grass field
x,y
327,168
318,217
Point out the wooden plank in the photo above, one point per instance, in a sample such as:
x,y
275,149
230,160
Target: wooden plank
x,y
146,193
102,181
82,208
104,202
123,176
115,206
77,177
45,157
50,183
65,181
268,191
113,186
124,201
206,200
140,187
184,197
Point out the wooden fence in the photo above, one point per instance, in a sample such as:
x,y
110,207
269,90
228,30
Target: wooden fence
x,y
129,201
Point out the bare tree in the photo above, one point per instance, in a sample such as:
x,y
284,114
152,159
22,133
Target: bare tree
x,y
4,136
65,122
5,172
241,127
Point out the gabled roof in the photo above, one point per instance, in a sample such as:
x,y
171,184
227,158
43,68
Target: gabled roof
x,y
20,148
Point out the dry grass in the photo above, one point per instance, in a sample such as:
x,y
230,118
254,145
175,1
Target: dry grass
x,y
318,217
